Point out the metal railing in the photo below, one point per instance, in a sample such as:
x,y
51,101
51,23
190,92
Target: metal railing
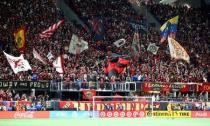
x,y
105,86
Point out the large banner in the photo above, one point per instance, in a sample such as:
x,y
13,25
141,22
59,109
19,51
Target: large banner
x,y
25,84
155,86
112,105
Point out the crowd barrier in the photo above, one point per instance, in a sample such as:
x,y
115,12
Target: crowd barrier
x,y
102,114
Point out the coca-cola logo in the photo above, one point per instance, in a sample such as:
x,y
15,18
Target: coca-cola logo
x,y
22,115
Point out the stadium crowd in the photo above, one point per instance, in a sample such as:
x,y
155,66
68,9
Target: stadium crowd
x,y
192,34
116,18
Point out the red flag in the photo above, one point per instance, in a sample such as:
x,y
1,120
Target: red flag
x,y
49,32
123,61
88,94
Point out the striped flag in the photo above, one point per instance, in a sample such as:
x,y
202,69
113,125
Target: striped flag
x,y
37,56
49,32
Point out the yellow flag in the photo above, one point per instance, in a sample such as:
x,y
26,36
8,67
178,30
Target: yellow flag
x,y
20,41
174,20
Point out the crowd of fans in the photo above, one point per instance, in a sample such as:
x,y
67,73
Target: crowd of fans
x,y
116,18
11,100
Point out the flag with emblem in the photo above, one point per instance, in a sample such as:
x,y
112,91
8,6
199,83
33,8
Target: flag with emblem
x,y
18,64
152,48
177,51
77,45
20,39
88,94
120,42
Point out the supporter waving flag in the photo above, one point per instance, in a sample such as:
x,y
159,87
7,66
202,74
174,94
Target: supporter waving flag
x,y
20,39
49,32
169,28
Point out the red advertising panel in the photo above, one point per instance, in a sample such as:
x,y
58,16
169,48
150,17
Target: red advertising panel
x,y
67,104
24,114
156,86
204,87
200,114
122,114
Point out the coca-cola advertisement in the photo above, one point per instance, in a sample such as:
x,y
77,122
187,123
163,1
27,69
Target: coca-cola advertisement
x,y
24,114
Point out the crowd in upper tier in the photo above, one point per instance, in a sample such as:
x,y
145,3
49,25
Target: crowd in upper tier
x,y
117,17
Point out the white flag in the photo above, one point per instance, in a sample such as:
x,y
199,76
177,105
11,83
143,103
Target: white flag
x,y
136,43
120,42
153,48
37,56
18,64
59,64
77,45
177,51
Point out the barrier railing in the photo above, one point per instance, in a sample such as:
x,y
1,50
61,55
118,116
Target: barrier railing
x,y
106,86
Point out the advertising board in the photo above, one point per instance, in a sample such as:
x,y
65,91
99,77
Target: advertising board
x,y
24,114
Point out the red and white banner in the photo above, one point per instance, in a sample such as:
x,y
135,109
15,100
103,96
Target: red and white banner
x,y
59,64
18,64
122,114
49,32
67,104
37,56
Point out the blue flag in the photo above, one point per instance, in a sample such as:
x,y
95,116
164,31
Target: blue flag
x,y
1,45
97,29
168,27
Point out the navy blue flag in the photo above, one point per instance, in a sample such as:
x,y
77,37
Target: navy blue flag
x,y
97,29
1,45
